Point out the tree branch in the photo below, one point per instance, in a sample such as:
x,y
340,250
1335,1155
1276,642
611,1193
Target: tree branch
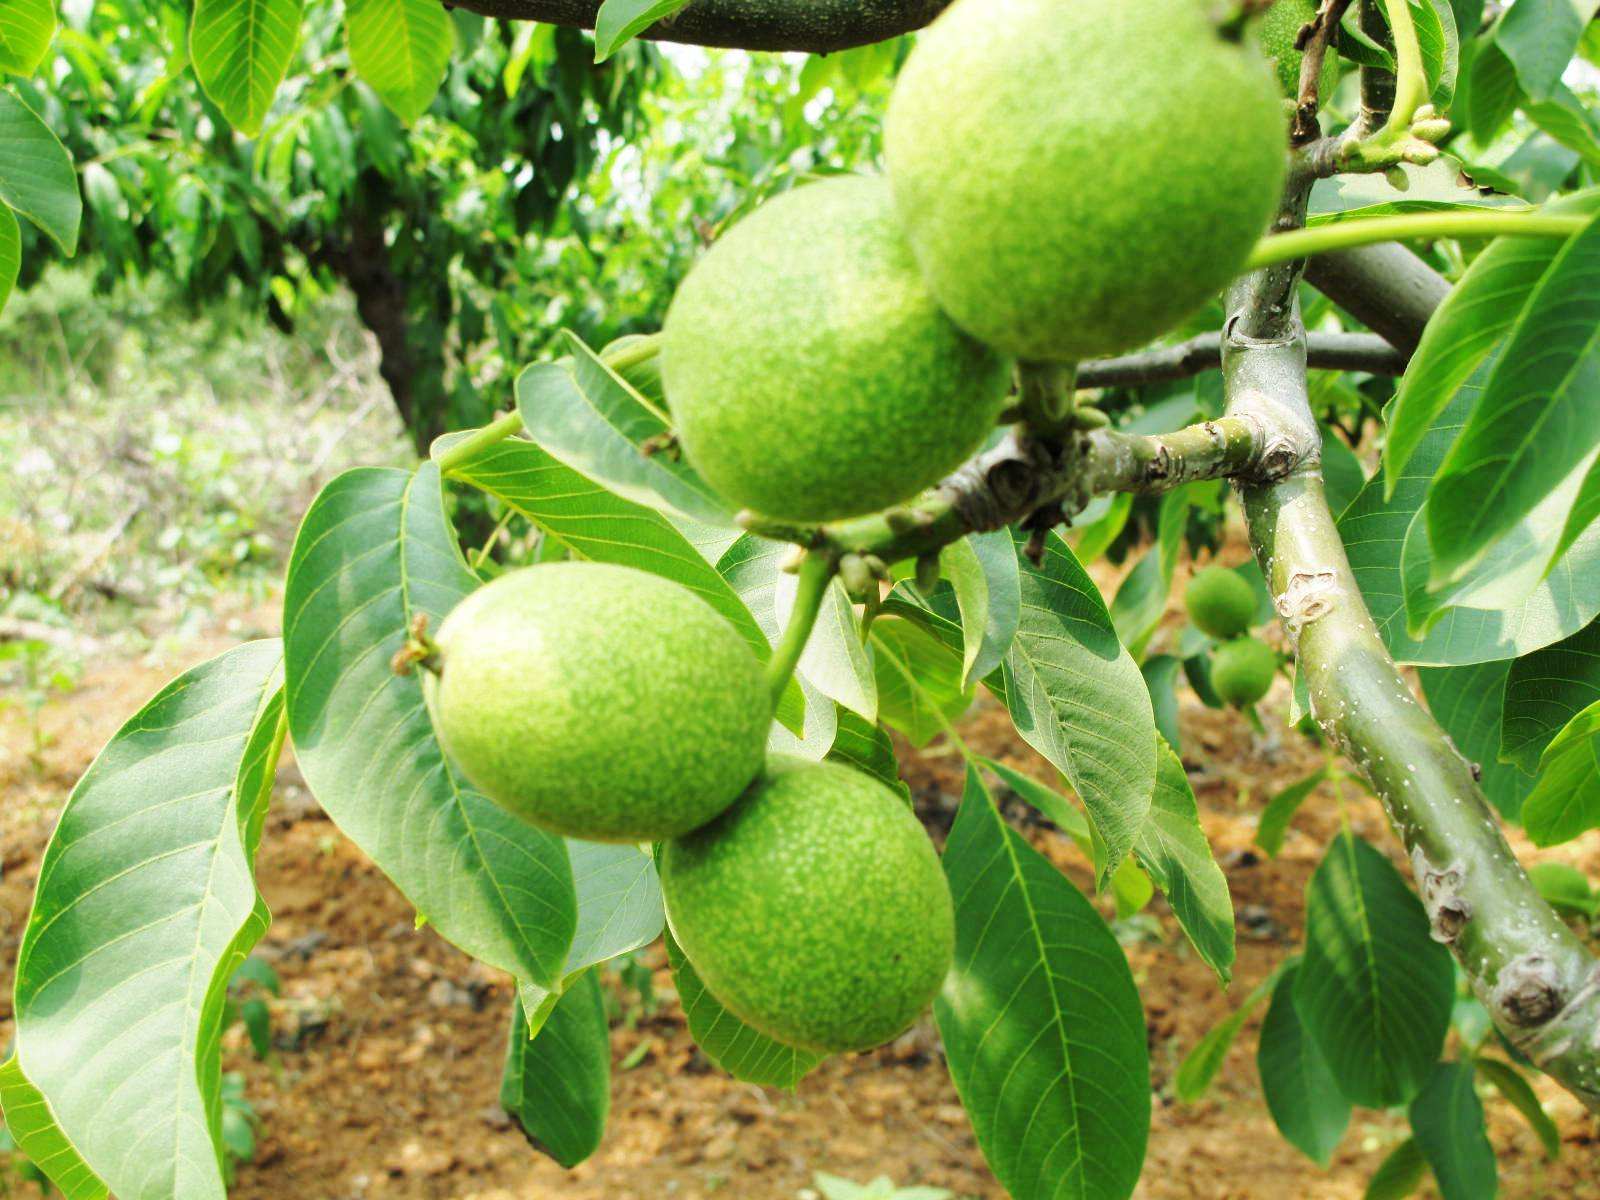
x,y
1326,351
1387,288
1022,477
819,26
1532,973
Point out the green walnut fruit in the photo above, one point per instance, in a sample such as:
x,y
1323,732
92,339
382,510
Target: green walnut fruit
x,y
599,702
1242,671
810,373
1278,31
1077,176
1220,602
814,908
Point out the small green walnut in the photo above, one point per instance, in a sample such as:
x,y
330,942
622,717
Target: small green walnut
x,y
814,909
1220,602
1242,671
599,702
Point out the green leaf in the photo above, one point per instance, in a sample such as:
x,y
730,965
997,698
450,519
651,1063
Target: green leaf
x,y
1511,570
1161,677
919,680
1540,37
26,29
241,51
620,21
1390,564
401,49
728,1041
32,1126
619,909
1447,1121
1511,1084
1565,119
1343,476
1130,887
1475,314
1094,534
586,416
1534,424
1055,807
1399,1174
1077,697
1544,691
867,747
1041,1020
1437,187
1280,810
145,905
1376,989
1469,702
557,1083
1584,513
1300,1091
374,553
1435,23
1140,603
1173,848
982,568
1566,799
1200,1066
10,253
1565,887
36,175
1491,92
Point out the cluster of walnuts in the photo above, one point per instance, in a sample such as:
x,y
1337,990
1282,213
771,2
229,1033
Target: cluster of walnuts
x,y
1065,180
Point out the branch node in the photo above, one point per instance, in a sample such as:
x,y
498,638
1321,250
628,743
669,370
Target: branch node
x,y
1308,596
1529,991
1448,911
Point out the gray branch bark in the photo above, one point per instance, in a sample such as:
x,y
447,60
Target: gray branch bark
x,y
818,26
1329,351
1533,974
1386,287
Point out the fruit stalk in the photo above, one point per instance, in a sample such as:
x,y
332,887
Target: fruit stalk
x,y
818,26
816,572
1532,973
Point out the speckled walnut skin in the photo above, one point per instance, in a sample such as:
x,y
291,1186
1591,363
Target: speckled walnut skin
x,y
815,908
599,702
1076,178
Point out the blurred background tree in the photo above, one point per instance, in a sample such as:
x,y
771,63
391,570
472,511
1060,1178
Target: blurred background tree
x,y
455,237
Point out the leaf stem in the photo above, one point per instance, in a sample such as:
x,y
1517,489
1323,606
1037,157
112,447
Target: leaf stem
x,y
641,349
1347,235
1411,81
496,431
816,572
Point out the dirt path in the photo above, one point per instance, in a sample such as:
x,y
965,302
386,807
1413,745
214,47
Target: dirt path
x,y
389,1041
